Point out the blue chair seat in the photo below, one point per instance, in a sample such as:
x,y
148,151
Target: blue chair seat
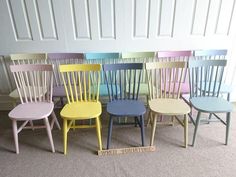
x,y
211,104
126,108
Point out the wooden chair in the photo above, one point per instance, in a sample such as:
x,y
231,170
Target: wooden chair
x,y
205,77
57,59
177,56
102,58
140,57
83,102
27,58
125,103
214,55
34,85
165,96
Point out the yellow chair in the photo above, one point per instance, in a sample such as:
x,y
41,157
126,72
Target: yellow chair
x,y
83,102
164,81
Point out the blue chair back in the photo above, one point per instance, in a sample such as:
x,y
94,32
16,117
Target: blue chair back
x,y
95,56
205,77
118,76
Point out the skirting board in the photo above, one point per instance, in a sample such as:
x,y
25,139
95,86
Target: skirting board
x,y
126,150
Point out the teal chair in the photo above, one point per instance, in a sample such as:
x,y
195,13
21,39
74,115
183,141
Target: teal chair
x,y
205,78
137,57
102,58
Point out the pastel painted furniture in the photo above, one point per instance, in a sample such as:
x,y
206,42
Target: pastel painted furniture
x,y
214,55
83,102
17,59
124,104
205,78
102,58
177,56
140,57
34,84
165,100
57,59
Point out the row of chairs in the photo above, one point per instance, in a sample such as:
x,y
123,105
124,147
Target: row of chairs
x,y
82,83
70,58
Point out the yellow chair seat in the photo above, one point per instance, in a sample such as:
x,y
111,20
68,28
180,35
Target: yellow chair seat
x,y
81,110
169,106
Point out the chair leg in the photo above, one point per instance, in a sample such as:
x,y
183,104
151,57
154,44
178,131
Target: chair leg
x,y
227,127
154,119
49,133
185,131
228,96
98,128
31,124
142,129
15,134
109,131
65,135
196,126
54,119
149,117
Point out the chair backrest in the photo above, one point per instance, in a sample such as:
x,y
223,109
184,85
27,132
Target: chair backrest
x,y
176,56
78,80
210,54
29,58
34,82
63,58
118,76
161,76
101,56
205,77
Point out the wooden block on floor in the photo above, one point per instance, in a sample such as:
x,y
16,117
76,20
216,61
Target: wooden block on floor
x,y
126,150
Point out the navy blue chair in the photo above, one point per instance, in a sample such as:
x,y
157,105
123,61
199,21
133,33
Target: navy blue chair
x,y
124,104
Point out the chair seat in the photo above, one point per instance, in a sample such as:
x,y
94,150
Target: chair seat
x,y
211,104
31,111
126,108
59,91
167,106
81,110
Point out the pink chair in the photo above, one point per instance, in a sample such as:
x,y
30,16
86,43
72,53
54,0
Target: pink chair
x,y
177,56
34,84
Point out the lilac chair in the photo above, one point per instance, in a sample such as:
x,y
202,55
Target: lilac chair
x,y
62,58
34,84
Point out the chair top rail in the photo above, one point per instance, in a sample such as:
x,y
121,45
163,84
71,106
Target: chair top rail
x,y
29,56
122,66
164,54
156,65
138,55
31,67
79,67
206,63
63,56
94,56
209,52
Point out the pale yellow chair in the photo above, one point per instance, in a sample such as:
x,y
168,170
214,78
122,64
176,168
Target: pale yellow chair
x,y
164,83
83,102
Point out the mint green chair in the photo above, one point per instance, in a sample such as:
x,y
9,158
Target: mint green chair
x,y
137,57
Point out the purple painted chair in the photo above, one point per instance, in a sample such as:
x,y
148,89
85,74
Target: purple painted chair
x,y
62,58
34,85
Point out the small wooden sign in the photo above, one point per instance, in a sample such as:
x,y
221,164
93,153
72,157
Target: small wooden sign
x,y
126,150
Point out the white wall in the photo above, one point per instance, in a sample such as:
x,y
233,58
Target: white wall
x,y
115,25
